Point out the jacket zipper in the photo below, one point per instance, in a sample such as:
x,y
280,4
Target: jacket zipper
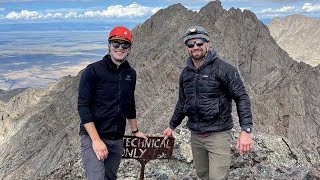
x,y
196,100
119,94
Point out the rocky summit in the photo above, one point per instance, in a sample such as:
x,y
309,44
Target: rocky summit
x,y
39,128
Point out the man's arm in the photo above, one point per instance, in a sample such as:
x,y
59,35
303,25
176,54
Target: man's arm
x,y
178,114
231,79
237,90
85,94
134,128
244,142
98,145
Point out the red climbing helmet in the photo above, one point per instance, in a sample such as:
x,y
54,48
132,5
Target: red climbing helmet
x,y
120,33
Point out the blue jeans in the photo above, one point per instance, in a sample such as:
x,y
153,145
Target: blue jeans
x,y
101,170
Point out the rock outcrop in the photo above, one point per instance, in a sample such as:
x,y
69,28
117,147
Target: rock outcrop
x,y
299,36
284,93
7,95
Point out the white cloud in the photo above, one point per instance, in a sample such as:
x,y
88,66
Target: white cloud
x,y
24,14
133,10
51,16
2,9
290,1
34,15
117,11
308,7
280,10
286,9
71,15
244,8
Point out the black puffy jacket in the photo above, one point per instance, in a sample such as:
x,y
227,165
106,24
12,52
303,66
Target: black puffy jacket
x,y
205,96
106,97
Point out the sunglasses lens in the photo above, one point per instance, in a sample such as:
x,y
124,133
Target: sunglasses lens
x,y
199,43
117,44
125,45
191,44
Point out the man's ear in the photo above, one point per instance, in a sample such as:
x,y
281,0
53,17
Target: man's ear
x,y
209,45
108,48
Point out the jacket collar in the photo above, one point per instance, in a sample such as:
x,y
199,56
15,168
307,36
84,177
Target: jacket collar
x,y
111,64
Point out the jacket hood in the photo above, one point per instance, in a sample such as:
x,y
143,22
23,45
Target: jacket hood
x,y
210,56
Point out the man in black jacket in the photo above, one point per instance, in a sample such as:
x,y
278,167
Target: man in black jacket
x,y
105,102
206,89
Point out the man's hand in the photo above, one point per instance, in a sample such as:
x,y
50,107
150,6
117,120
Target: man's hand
x,y
167,132
140,135
100,149
244,142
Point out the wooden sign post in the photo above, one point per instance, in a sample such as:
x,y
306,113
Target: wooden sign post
x,y
146,150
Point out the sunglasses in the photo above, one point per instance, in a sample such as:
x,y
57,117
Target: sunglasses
x,y
191,43
124,45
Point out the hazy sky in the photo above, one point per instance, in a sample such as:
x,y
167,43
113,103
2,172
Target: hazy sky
x,y
137,10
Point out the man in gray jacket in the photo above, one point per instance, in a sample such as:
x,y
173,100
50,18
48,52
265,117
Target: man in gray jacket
x,y
207,87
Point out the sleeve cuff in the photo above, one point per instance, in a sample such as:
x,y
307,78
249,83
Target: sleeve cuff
x,y
171,127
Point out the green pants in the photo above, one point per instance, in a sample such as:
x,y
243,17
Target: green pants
x,y
212,155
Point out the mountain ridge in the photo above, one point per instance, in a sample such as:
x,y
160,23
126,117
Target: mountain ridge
x,y
299,36
283,93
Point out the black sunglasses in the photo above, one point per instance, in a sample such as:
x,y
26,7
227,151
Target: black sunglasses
x,y
191,43
116,44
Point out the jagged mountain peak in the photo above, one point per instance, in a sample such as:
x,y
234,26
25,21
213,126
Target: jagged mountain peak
x,y
174,7
284,97
212,6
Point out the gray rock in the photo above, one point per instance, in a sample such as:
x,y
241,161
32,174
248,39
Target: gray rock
x,y
299,36
284,93
6,95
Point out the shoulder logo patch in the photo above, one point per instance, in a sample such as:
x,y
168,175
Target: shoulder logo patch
x,y
128,78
